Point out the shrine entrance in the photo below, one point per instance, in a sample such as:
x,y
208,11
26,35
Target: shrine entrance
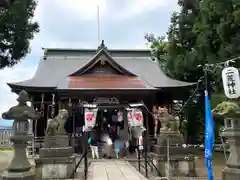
x,y
109,121
109,118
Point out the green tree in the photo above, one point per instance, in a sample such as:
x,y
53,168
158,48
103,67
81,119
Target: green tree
x,y
218,30
218,34
181,59
16,31
204,31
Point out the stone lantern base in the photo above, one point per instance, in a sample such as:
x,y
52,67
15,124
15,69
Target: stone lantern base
x,y
57,162
28,175
231,173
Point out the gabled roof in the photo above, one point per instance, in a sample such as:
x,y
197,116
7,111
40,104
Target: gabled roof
x,y
102,50
57,66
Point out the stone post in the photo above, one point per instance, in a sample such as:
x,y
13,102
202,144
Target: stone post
x,y
230,111
232,133
20,168
56,159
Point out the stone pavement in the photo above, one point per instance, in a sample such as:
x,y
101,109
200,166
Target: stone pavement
x,y
99,170
113,170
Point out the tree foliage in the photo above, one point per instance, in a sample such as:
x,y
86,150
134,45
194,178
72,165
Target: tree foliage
x,y
16,31
204,31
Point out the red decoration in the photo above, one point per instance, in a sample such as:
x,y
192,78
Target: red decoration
x,y
138,116
89,117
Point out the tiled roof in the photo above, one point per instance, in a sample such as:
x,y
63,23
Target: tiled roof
x,y
55,68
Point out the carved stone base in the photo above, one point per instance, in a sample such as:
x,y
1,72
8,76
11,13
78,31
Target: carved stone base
x,y
56,146
56,141
55,167
28,175
181,162
56,152
174,138
178,165
231,174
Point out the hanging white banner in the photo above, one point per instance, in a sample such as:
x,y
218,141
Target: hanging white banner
x,y
137,117
90,116
231,82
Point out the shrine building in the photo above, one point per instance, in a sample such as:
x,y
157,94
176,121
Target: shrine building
x,y
67,77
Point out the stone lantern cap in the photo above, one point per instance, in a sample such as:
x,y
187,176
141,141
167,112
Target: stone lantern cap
x,y
227,109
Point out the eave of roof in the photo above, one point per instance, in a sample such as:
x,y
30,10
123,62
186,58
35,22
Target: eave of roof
x,y
94,50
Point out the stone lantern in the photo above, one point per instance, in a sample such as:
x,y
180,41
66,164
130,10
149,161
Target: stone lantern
x,y
20,168
231,113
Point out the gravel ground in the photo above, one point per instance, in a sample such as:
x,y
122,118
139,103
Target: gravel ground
x,y
5,158
218,165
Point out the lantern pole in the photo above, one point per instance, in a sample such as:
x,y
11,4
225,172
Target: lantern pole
x,y
86,134
205,69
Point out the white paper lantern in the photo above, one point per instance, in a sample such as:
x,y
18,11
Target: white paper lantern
x,y
137,117
90,118
231,82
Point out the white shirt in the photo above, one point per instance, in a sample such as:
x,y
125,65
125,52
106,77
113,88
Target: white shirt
x,y
109,141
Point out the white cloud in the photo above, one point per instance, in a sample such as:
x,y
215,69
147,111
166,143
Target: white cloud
x,y
19,73
137,7
79,10
83,9
142,46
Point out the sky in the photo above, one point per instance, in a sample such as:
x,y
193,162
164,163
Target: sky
x,y
73,24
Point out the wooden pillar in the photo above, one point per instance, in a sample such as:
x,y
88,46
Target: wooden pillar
x,y
34,124
60,104
146,115
125,121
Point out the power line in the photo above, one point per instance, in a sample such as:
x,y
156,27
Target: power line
x,y
206,68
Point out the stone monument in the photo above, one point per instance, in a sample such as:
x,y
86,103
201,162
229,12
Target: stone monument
x,y
56,159
171,158
20,168
231,113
